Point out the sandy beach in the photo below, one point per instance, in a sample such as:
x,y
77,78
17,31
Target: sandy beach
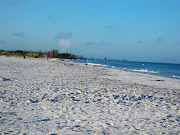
x,y
40,97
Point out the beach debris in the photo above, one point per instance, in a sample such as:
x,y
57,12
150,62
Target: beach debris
x,y
33,100
116,96
44,96
46,119
5,79
157,80
54,99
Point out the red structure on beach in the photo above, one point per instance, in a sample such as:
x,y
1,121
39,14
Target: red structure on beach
x,y
50,54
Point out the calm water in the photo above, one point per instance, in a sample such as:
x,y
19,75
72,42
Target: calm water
x,y
161,69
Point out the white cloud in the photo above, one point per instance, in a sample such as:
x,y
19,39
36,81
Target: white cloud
x,y
64,44
64,40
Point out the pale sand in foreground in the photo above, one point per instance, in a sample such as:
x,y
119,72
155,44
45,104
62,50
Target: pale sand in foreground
x,y
45,97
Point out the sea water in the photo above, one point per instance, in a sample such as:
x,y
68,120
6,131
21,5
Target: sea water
x,y
161,69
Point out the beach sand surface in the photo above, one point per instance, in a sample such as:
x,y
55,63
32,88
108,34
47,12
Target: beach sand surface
x,y
54,97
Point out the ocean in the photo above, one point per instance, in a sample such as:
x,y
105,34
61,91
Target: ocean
x,y
160,69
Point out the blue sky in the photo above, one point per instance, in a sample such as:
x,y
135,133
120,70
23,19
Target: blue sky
x,y
138,30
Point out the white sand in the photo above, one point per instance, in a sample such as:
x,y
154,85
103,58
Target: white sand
x,y
46,97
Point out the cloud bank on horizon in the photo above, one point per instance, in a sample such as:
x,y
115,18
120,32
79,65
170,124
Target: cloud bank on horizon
x,y
134,30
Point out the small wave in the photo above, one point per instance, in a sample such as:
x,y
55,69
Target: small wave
x,y
176,76
146,71
93,64
125,69
88,60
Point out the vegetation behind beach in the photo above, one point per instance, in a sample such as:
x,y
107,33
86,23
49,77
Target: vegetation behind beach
x,y
39,54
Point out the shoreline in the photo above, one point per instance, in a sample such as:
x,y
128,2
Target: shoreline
x,y
143,70
144,79
117,73
104,66
45,97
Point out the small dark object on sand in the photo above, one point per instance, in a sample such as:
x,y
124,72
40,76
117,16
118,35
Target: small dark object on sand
x,y
157,80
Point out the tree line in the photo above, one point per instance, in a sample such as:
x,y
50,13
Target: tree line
x,y
39,54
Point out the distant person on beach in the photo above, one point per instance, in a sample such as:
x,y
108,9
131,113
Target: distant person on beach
x,y
24,53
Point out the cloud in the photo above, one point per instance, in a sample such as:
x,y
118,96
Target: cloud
x,y
64,44
2,42
64,40
139,42
19,34
64,35
90,43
